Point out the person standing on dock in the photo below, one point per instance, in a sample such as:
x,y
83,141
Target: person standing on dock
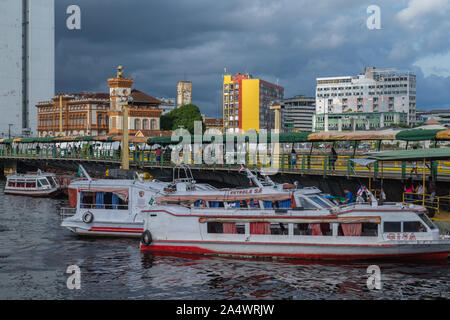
x,y
333,158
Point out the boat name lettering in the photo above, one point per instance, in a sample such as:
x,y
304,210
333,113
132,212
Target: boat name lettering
x,y
401,236
246,191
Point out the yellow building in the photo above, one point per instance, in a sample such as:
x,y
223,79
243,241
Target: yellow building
x,y
246,103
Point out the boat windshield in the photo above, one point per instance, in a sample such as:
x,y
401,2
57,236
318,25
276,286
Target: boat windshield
x,y
44,182
320,201
427,221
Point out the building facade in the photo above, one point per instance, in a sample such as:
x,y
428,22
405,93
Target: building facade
x,y
357,121
83,114
27,63
247,101
184,93
213,123
298,113
95,114
377,90
168,104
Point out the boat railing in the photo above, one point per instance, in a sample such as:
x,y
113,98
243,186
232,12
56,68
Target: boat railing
x,y
67,212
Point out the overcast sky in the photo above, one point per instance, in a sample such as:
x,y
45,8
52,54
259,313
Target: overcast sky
x,y
292,41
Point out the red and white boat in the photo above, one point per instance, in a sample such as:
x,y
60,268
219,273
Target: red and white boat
x,y
37,184
112,207
352,232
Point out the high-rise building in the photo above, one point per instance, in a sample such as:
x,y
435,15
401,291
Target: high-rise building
x,y
298,113
27,59
377,90
247,101
184,93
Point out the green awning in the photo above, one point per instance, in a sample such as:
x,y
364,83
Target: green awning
x,y
411,155
417,134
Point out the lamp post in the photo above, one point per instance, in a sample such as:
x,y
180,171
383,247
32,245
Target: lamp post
x,y
125,152
276,148
9,130
60,115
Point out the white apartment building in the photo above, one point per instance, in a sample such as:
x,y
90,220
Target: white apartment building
x,y
27,63
167,105
377,90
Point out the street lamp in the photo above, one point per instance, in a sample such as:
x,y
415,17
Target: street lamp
x,y
125,152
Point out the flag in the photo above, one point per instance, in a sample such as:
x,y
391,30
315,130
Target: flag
x,y
361,190
241,167
80,172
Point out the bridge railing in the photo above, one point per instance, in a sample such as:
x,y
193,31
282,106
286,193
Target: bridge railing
x,y
285,162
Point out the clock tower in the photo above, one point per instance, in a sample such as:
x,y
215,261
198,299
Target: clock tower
x,y
119,87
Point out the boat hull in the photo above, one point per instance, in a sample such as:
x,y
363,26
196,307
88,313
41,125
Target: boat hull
x,y
32,193
304,251
105,229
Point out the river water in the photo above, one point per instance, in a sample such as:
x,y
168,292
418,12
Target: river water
x,y
35,253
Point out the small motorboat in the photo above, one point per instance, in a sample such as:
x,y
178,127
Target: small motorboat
x,y
38,184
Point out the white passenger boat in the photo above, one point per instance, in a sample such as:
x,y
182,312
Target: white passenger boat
x,y
37,184
302,229
112,207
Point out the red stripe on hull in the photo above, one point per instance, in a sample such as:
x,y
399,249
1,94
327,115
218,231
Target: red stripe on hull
x,y
198,250
123,230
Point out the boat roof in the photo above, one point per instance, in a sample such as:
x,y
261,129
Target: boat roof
x,y
30,175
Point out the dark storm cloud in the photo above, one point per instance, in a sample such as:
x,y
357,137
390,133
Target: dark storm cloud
x,y
161,42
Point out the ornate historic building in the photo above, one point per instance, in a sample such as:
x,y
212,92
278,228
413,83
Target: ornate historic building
x,y
94,114
83,114
143,111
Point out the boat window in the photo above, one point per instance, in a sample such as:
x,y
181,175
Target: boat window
x,y
306,204
39,184
44,182
413,226
369,229
20,184
312,229
320,201
392,226
427,221
240,228
31,184
215,227
215,204
302,229
103,200
279,228
12,183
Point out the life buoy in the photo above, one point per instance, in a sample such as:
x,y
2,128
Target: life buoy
x,y
88,217
146,238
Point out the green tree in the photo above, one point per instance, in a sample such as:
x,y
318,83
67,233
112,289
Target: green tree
x,y
184,116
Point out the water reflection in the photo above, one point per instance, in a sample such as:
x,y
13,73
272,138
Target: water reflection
x,y
35,253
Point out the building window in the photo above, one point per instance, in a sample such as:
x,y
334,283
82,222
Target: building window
x,y
145,124
137,124
153,124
